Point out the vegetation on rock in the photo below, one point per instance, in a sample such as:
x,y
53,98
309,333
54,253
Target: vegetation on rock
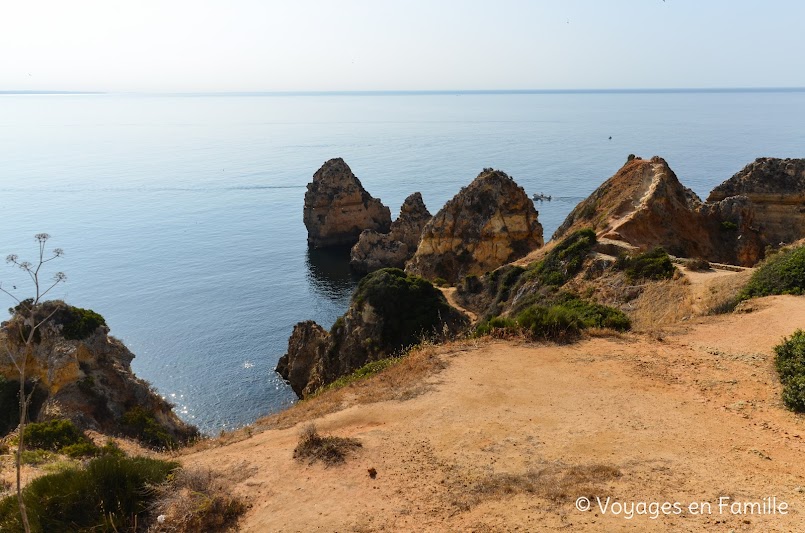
x,y
566,259
654,265
781,273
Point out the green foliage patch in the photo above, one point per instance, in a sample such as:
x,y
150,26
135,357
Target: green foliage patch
x,y
367,370
782,273
654,265
410,306
790,363
108,494
566,259
142,425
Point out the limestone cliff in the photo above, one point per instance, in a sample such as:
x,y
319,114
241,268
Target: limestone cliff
x,y
85,374
776,189
487,224
378,250
388,312
645,205
338,208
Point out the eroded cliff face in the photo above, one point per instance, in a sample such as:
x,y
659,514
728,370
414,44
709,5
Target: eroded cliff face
x,y
388,312
487,224
776,189
381,250
87,379
338,208
645,205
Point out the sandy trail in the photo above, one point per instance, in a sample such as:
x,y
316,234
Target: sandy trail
x,y
692,418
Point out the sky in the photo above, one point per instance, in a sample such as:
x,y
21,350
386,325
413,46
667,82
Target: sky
x,y
378,45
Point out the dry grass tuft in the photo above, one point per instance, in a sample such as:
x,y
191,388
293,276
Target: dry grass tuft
x,y
556,483
722,294
195,499
327,449
662,304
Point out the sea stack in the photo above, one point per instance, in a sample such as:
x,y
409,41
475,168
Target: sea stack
x,y
487,224
644,205
380,250
338,208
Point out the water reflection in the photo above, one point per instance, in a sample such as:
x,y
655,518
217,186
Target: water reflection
x,y
329,273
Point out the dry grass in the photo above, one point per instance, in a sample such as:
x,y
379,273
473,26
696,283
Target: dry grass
x,y
327,449
402,381
661,304
195,499
721,295
557,483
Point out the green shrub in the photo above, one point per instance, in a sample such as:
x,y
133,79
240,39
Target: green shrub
x,y
109,494
76,323
143,426
729,225
698,265
782,273
81,323
409,306
53,435
594,315
655,264
441,282
566,259
794,394
790,363
495,323
555,322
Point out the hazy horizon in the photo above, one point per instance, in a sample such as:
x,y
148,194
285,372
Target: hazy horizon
x,y
191,46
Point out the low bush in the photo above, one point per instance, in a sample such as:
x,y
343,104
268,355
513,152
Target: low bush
x,y
562,318
782,273
654,265
108,494
142,425
76,323
729,225
566,258
54,435
367,370
790,363
555,322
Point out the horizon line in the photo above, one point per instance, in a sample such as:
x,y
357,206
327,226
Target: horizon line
x,y
415,92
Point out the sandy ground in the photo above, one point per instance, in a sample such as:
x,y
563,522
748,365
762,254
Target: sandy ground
x,y
691,418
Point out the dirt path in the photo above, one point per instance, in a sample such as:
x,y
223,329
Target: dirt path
x,y
511,434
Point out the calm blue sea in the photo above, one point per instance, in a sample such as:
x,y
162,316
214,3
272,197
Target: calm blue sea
x,y
181,216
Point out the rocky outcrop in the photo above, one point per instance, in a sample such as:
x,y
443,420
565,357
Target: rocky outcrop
x,y
487,224
378,250
776,189
338,208
388,312
83,373
645,205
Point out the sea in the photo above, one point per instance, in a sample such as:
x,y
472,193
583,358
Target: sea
x,y
181,215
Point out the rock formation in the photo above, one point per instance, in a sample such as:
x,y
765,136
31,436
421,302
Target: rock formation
x,y
378,250
338,208
776,189
487,224
388,312
645,205
83,373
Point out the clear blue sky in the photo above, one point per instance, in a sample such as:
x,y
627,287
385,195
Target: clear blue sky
x,y
290,45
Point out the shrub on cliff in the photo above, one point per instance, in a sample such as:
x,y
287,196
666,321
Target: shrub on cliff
x,y
76,323
142,425
58,436
782,273
654,265
108,494
790,363
566,259
410,306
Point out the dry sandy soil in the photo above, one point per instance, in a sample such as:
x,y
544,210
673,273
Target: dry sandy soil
x,y
507,435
